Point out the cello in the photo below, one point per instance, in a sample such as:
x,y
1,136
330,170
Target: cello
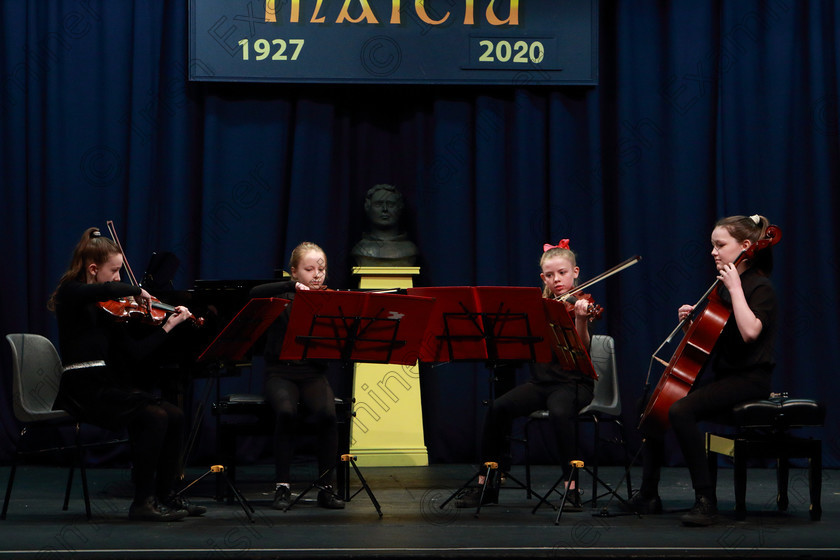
x,y
685,366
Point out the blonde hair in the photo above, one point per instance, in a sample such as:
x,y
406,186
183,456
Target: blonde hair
x,y
553,253
301,250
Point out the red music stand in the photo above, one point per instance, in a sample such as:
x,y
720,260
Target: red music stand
x,y
231,344
565,340
495,324
244,329
354,327
499,325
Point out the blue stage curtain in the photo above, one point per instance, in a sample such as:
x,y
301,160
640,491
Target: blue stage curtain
x,y
703,109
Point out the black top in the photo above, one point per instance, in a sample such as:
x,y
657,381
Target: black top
x,y
732,353
277,331
100,395
86,332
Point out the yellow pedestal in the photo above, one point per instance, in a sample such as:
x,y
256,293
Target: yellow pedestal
x,y
388,427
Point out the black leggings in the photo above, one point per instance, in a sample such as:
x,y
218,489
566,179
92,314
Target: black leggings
x,y
563,401
156,434
314,394
712,401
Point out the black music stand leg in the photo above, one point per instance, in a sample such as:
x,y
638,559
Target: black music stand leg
x,y
318,482
491,474
220,470
544,499
351,460
461,489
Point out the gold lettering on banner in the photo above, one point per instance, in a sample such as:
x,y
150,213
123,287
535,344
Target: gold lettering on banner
x,y
420,8
367,13
368,16
513,16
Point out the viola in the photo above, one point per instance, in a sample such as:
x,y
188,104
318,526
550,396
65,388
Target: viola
x,y
685,366
125,309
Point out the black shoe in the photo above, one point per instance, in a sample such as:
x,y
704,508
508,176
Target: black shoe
x,y
327,499
702,514
181,503
150,510
644,506
471,496
573,503
282,497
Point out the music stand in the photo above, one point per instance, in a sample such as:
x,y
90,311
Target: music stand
x,y
354,327
231,344
497,325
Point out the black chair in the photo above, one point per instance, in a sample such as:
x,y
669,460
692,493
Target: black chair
x,y
604,408
36,374
763,431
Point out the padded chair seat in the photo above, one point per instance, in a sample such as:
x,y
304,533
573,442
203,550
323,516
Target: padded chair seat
x,y
242,404
779,413
763,432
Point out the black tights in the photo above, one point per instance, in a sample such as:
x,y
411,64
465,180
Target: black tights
x,y
563,401
156,433
712,401
316,396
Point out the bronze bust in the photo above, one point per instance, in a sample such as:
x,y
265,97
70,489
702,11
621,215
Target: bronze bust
x,y
384,244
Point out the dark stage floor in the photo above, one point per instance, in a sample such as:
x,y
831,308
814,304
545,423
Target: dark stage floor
x,y
413,526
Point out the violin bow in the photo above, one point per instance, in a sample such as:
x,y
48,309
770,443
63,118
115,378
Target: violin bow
x,y
128,272
603,276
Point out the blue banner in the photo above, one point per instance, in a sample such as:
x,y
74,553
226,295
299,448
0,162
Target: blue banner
x,y
512,42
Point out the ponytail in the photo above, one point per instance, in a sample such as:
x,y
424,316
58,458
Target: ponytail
x,y
91,248
752,228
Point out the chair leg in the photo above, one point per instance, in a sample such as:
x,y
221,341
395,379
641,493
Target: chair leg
x,y
740,483
80,454
627,458
782,478
9,488
527,448
70,472
815,481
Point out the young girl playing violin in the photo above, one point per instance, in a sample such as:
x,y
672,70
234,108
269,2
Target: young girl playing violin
x,y
742,362
95,388
562,392
304,382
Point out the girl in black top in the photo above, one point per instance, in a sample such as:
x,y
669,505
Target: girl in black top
x,y
560,391
742,361
95,387
299,383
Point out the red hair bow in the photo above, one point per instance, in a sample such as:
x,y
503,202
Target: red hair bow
x,y
563,244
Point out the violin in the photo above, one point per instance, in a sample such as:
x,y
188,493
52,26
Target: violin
x,y
126,309
691,355
593,311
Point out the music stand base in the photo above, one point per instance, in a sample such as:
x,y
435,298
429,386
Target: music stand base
x,y
348,461
219,470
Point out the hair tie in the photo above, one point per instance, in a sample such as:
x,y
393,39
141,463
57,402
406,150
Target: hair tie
x,y
95,233
756,219
563,244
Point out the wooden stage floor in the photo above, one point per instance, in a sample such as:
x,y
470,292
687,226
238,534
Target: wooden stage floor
x,y
413,525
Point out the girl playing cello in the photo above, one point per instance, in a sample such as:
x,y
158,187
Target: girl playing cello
x,y
742,364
